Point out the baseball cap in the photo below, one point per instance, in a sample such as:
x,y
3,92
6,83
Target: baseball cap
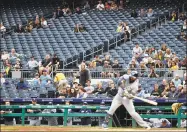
x,y
102,103
34,100
85,103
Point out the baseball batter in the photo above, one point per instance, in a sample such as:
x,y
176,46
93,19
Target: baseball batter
x,y
128,86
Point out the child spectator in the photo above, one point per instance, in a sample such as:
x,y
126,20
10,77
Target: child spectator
x,y
107,6
43,22
150,12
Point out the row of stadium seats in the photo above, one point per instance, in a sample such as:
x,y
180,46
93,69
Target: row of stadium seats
x,y
10,91
166,33
60,38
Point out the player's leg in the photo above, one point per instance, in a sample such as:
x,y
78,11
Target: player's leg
x,y
116,102
128,103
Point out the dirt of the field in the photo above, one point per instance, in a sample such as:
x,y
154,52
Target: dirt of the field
x,y
80,128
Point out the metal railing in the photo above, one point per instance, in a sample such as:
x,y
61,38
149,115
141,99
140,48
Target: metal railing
x,y
66,114
102,73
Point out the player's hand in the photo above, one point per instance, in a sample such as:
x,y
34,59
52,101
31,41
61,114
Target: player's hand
x,y
129,96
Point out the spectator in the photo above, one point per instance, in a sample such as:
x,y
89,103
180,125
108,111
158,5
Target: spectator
x,y
106,70
166,91
163,48
182,36
45,78
127,31
76,87
143,69
84,75
107,58
34,120
172,93
8,121
2,78
150,12
89,89
120,28
183,63
73,93
153,73
43,22
111,90
116,65
58,12
54,16
32,64
85,120
183,93
22,85
176,80
87,6
100,6
99,89
62,93
78,10
156,92
182,17
5,55
168,53
19,29
184,26
18,65
134,14
52,121
107,6
46,64
82,93
173,16
121,4
137,52
114,6
140,92
29,26
97,61
55,63
36,80
178,91
165,124
133,65
2,30
159,64
184,82
37,23
173,66
13,56
59,79
79,28
142,13
8,67
163,85
160,55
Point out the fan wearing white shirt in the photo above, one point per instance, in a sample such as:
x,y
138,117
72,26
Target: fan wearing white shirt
x,y
43,22
2,30
32,64
89,89
100,6
137,51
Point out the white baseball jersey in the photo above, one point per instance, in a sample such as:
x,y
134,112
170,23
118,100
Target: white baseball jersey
x,y
157,122
131,88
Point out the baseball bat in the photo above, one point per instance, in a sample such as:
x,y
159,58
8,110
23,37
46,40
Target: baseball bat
x,y
146,100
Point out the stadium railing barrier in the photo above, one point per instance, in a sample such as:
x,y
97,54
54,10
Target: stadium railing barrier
x,y
65,115
96,74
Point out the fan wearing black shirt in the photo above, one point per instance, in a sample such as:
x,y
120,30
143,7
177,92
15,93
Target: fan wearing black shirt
x,y
8,120
111,90
55,62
